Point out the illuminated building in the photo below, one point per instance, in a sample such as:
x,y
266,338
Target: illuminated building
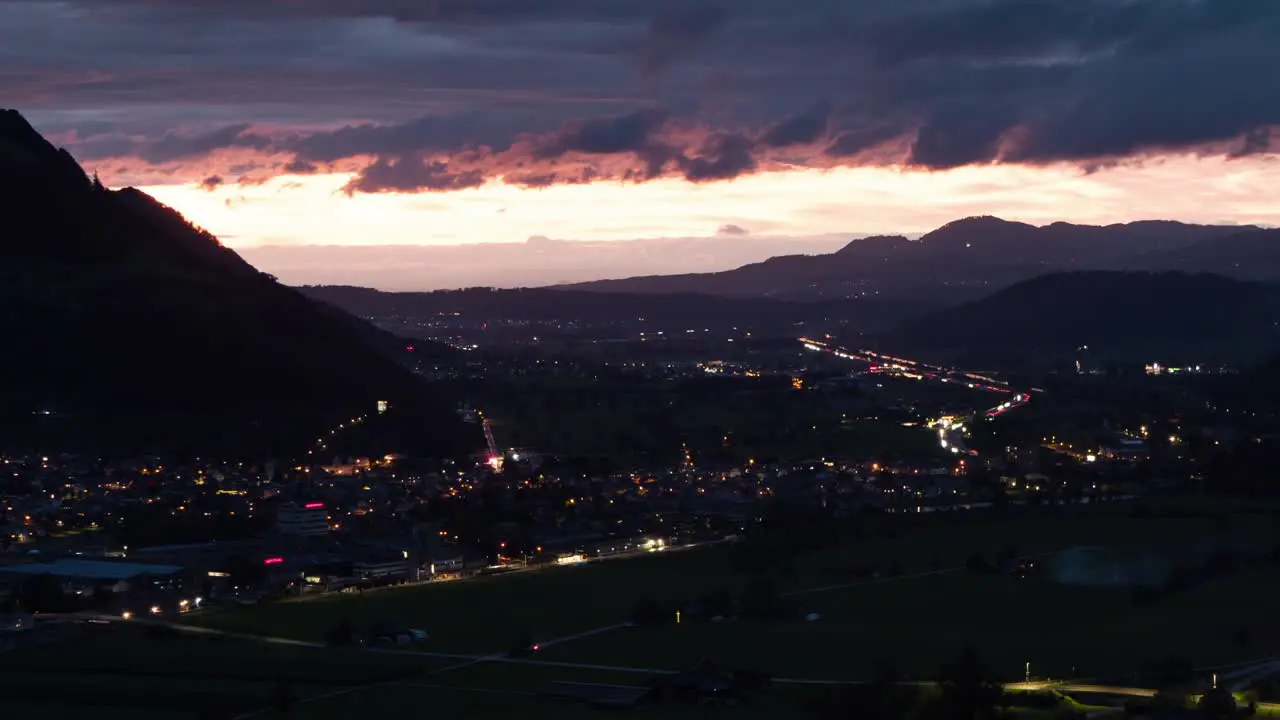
x,y
302,520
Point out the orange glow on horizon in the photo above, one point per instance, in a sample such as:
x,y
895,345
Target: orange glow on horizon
x,y
312,210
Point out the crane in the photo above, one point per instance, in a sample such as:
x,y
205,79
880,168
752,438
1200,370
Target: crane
x,y
472,415
495,457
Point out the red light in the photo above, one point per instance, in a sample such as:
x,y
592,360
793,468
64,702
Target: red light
x,y
536,648
314,506
409,348
273,561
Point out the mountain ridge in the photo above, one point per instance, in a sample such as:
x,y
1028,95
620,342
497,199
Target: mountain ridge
x,y
1120,316
130,330
968,256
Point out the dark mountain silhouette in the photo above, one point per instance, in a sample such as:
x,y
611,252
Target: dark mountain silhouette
x,y
959,261
674,312
127,329
1120,316
1251,254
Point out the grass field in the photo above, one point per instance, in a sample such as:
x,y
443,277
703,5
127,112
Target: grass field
x,y
122,671
917,620
920,619
484,615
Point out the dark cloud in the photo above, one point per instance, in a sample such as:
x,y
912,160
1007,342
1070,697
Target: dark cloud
x,y
676,33
853,142
632,132
445,94
722,157
299,166
211,183
804,127
412,174
1255,142
965,132
176,146
731,229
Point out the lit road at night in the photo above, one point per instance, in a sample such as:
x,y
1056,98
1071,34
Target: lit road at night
x,y
951,432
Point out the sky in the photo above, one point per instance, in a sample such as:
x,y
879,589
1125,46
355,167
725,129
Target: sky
x,y
420,144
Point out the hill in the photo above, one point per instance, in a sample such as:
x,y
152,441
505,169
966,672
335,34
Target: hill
x,y
959,261
1251,254
129,330
1120,316
674,312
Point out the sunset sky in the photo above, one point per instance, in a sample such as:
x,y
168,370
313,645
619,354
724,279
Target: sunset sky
x,y
730,130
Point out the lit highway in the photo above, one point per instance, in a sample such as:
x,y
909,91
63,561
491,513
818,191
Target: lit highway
x,y
881,364
951,431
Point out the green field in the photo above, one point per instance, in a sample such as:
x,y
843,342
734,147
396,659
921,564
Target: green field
x,y
124,671
484,615
920,618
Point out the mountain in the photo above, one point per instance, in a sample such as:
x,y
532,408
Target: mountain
x,y
1251,254
959,261
1120,316
652,312
129,330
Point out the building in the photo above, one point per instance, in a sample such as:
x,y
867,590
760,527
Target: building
x,y
384,569
118,576
309,519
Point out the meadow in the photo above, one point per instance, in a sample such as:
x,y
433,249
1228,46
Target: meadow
x,y
921,610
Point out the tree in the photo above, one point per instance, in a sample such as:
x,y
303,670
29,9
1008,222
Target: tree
x,y
42,594
340,633
1218,703
884,698
523,642
760,600
283,698
647,611
969,690
718,603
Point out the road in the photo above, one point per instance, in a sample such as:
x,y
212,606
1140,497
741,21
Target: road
x,y
950,435
541,567
882,364
465,660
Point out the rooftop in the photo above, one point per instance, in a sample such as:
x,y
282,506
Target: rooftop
x,y
96,569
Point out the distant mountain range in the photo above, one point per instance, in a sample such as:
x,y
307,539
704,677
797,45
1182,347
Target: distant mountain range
x,y
1103,316
972,257
128,330
657,312
1121,316
978,289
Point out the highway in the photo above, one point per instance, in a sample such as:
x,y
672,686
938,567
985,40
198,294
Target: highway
x,y
951,433
881,364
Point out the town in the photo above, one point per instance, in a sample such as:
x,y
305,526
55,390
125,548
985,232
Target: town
x,y
873,444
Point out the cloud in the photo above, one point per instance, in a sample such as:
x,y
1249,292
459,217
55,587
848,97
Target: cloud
x,y
677,33
211,183
175,146
410,174
732,230
438,96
